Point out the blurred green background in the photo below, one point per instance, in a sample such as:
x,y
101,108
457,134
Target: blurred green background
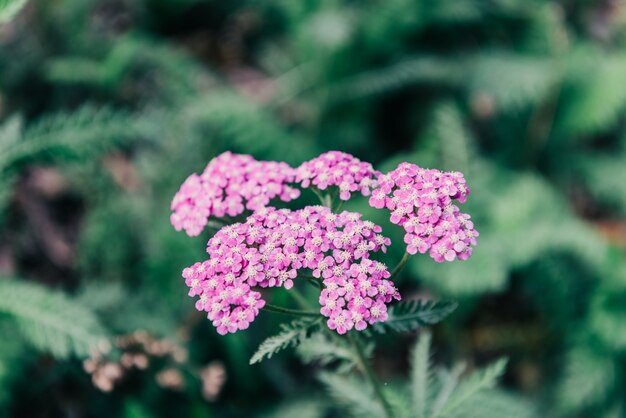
x,y
106,106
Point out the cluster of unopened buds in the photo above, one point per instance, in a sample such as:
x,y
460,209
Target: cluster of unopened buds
x,y
135,352
140,351
334,250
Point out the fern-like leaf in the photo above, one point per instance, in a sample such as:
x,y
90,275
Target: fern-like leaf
x,y
80,134
10,131
353,394
512,81
322,350
290,336
593,103
410,315
494,403
10,8
421,374
397,76
587,378
244,125
466,390
49,319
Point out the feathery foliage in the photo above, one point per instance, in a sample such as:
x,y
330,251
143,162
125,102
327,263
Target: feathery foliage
x,y
49,320
410,315
432,392
323,350
422,378
80,134
291,335
483,379
9,8
352,394
587,378
446,393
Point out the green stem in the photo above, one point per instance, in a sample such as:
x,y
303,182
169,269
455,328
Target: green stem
x,y
306,276
339,206
299,298
287,311
328,201
369,374
215,225
315,282
318,194
400,266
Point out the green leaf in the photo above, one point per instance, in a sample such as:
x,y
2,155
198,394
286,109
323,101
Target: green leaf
x,y
477,382
587,379
290,336
76,70
10,131
302,408
485,271
410,315
9,8
400,75
512,80
6,188
134,409
49,319
592,104
246,126
12,351
447,382
322,350
85,132
421,375
493,403
354,394
602,175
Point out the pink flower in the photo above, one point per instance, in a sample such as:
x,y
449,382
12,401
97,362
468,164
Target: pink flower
x,y
271,248
339,169
230,184
421,201
342,322
378,198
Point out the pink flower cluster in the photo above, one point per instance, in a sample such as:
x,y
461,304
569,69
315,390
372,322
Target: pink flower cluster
x,y
339,169
421,200
269,250
274,247
230,184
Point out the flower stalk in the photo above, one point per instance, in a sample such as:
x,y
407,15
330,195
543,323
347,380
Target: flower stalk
x,y
370,375
397,269
287,311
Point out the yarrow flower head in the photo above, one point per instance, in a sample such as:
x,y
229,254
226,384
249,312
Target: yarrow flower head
x,y
421,200
339,169
230,184
276,247
273,246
